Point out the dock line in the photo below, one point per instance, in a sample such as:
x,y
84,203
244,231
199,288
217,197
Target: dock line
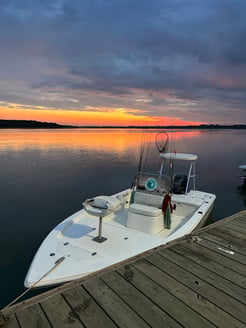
x,y
3,318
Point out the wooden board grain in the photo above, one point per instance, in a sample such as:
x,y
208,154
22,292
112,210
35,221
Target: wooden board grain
x,y
141,304
198,302
59,313
205,283
113,305
176,309
89,312
34,317
212,261
222,242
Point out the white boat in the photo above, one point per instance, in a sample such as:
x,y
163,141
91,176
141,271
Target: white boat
x,y
243,171
111,229
242,174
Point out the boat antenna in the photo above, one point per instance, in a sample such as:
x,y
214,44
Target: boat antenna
x,y
140,161
142,146
172,151
147,148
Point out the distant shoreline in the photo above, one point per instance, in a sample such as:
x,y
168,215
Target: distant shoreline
x,y
30,124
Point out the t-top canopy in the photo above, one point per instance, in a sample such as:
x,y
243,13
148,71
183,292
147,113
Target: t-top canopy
x,y
179,156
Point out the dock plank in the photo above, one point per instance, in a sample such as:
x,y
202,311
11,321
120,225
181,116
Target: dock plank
x,y
204,283
227,236
224,243
34,317
235,234
59,313
241,216
113,305
87,309
237,225
12,321
178,310
198,303
151,313
211,261
240,257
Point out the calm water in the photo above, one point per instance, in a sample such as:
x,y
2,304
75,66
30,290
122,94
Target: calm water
x,y
46,174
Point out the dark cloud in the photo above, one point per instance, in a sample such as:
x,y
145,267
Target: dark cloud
x,y
184,53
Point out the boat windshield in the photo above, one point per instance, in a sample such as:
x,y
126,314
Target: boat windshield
x,y
153,183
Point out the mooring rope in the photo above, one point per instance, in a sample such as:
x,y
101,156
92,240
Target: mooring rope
x,y
3,319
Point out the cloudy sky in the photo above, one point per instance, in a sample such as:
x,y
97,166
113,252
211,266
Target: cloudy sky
x,y
123,62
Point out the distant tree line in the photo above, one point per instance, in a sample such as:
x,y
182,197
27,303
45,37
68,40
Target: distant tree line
x,y
28,124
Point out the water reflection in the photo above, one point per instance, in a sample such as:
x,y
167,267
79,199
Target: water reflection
x,y
97,139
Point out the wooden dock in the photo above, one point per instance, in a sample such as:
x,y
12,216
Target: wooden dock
x,y
197,281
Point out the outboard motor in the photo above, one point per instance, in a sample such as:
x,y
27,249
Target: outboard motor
x,y
179,183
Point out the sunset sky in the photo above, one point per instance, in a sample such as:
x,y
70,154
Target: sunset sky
x,y
131,62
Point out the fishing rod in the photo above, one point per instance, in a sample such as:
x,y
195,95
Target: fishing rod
x,y
161,145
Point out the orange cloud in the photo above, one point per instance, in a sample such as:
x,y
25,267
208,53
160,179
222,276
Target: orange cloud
x,y
89,117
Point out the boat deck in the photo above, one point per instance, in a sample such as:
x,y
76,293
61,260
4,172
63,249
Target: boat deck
x,y
197,281
74,242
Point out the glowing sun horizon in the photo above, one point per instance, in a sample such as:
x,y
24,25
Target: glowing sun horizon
x,y
99,117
